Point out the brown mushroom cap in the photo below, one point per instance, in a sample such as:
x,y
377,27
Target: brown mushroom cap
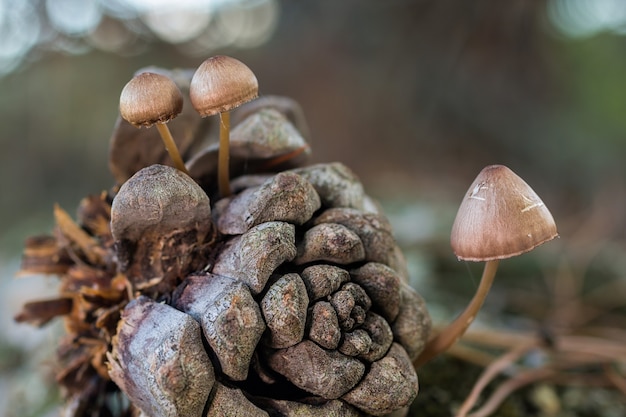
x,y
150,98
220,84
500,217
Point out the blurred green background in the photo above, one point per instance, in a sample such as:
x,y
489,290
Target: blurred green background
x,y
415,96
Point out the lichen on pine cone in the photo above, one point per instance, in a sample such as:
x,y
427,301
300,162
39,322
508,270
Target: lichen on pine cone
x,y
288,297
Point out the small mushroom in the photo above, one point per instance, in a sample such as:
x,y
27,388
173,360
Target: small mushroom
x,y
220,84
150,98
500,217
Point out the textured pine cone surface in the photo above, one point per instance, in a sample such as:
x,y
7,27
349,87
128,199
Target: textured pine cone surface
x,y
287,298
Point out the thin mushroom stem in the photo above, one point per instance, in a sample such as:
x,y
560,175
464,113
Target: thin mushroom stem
x,y
171,147
451,333
223,171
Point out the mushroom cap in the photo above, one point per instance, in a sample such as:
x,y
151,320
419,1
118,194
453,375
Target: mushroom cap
x,y
220,84
150,98
500,217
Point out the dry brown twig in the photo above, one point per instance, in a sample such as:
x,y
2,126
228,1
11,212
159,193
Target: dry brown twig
x,y
568,355
505,389
490,373
572,353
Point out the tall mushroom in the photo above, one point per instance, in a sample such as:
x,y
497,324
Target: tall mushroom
x,y
500,217
220,84
148,99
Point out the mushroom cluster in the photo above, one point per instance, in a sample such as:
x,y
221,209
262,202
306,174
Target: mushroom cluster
x,y
282,294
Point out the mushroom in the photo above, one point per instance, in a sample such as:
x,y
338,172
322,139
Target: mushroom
x,y
148,99
220,84
500,217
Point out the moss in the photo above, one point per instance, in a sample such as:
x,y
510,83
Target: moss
x,y
445,383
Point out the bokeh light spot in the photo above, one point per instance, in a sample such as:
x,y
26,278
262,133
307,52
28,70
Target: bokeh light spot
x,y
128,27
111,35
249,23
586,18
73,17
179,25
19,32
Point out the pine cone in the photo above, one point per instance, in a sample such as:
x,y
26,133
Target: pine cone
x,y
289,297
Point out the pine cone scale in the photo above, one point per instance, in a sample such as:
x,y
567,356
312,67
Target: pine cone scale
x,y
159,362
230,318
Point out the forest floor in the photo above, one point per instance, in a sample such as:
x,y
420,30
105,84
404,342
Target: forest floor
x,y
549,342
